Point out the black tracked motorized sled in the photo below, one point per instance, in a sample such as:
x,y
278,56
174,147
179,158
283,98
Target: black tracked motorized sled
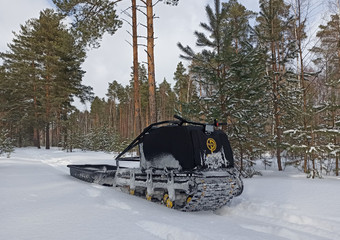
x,y
184,165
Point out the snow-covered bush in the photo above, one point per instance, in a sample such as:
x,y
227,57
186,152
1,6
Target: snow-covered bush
x,y
97,139
6,145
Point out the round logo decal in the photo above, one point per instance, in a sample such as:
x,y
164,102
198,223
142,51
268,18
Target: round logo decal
x,y
211,144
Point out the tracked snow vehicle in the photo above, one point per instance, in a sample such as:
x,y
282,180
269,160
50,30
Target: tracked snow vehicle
x,y
184,165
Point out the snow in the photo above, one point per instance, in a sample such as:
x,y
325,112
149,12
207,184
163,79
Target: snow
x,y
215,160
39,200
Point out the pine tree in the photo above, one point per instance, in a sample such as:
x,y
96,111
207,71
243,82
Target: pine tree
x,y
300,131
272,29
19,87
91,19
2,96
182,86
248,106
43,68
137,127
166,101
237,20
328,108
211,64
144,92
113,103
229,72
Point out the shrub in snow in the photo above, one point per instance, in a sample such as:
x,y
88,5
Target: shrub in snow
x,y
6,145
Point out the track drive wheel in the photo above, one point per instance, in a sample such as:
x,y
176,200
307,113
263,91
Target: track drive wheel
x,y
166,200
148,197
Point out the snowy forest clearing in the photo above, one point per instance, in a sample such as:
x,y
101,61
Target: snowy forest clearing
x,y
40,200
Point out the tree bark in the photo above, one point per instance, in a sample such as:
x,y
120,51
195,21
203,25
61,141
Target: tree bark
x,y
275,82
47,126
151,62
36,137
137,104
337,164
47,135
298,33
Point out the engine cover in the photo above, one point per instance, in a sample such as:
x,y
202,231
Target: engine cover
x,y
185,148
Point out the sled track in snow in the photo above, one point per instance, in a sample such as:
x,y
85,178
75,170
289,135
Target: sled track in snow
x,y
282,222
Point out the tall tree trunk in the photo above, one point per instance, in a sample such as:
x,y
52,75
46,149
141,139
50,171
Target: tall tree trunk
x,y
335,144
147,118
275,93
298,33
137,104
47,126
151,62
335,94
36,137
47,135
337,164
120,120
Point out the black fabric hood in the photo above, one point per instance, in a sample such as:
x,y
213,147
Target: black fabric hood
x,y
187,147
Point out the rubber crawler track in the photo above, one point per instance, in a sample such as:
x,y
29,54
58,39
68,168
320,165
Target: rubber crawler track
x,y
205,192
211,193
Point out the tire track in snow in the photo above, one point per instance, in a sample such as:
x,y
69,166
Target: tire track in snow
x,y
104,200
283,221
168,232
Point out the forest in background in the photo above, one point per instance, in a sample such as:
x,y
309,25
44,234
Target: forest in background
x,y
276,87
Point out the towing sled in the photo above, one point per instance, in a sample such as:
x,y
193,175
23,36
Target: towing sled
x,y
184,165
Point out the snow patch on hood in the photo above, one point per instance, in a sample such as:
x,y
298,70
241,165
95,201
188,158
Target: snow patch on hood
x,y
162,161
214,160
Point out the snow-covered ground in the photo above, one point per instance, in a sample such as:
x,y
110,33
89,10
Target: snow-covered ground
x,y
39,200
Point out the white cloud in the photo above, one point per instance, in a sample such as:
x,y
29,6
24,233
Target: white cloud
x,y
113,60
15,13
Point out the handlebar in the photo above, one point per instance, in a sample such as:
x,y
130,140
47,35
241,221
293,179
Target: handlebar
x,y
179,118
182,120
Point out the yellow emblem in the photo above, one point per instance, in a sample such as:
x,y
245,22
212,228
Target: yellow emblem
x,y
211,144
